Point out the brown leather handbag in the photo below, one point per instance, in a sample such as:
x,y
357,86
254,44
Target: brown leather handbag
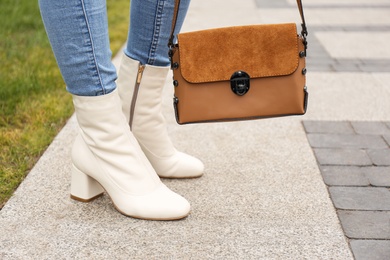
x,y
239,73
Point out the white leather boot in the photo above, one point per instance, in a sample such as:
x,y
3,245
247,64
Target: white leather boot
x,y
140,88
106,156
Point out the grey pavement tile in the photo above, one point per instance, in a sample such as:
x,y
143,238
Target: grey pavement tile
x,y
316,62
378,176
380,157
271,4
322,68
374,68
356,157
346,67
360,198
315,67
319,55
351,28
329,127
344,176
377,62
387,139
346,141
318,58
371,249
371,128
316,52
365,224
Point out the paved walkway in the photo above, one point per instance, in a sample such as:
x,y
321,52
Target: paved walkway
x,y
287,188
354,159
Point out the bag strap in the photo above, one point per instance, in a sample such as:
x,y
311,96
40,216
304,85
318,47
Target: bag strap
x,y
174,19
176,11
304,31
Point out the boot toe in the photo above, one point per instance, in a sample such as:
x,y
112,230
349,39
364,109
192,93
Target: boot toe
x,y
192,167
162,204
186,166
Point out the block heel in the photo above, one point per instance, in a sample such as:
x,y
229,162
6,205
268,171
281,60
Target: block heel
x,y
83,187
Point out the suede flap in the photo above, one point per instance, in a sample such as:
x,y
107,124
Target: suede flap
x,y
259,50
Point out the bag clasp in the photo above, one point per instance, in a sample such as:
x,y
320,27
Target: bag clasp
x,y
240,82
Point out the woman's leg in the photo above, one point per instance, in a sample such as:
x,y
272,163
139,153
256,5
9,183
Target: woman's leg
x,y
105,155
141,79
149,30
78,33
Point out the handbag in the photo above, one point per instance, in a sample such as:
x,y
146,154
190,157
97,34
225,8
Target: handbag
x,y
239,73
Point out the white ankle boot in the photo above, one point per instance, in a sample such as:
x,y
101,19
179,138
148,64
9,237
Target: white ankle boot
x,y
140,89
107,156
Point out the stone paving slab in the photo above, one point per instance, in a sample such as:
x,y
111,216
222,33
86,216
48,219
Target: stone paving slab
x,y
333,156
359,40
365,224
371,128
358,178
387,138
371,249
378,176
329,127
344,176
347,141
360,198
379,157
348,97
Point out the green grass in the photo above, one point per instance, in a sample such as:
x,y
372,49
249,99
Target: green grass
x,y
34,104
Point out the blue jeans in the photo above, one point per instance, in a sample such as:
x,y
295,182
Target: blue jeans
x,y
78,33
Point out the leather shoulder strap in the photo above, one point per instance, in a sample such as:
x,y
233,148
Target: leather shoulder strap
x,y
304,28
174,19
176,11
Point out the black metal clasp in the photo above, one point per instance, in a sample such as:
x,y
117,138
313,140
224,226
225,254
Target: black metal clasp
x,y
240,82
